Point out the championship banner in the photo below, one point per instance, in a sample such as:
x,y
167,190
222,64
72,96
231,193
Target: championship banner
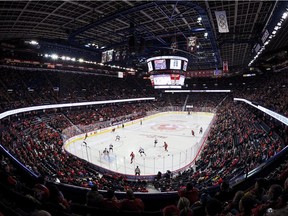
x,y
191,44
117,55
225,66
222,21
174,44
123,55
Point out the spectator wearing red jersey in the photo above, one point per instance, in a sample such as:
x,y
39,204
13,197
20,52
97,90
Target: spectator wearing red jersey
x,y
131,203
190,192
111,201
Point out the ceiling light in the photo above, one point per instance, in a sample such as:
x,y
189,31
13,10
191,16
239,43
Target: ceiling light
x,y
33,42
54,56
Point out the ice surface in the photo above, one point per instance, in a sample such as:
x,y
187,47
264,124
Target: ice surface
x,y
173,128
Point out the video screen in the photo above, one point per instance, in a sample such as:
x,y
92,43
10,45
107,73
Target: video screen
x,y
175,64
185,65
161,79
150,67
167,79
160,64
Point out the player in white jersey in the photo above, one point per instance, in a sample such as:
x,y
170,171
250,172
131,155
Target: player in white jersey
x,y
111,147
141,151
106,153
117,138
155,142
201,130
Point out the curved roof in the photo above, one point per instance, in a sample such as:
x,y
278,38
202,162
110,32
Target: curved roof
x,y
147,28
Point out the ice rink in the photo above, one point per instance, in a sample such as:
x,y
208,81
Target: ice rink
x,y
172,127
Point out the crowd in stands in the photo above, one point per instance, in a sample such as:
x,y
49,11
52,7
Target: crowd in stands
x,y
37,143
270,92
240,140
23,88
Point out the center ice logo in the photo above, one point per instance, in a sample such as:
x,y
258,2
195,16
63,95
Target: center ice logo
x,y
168,127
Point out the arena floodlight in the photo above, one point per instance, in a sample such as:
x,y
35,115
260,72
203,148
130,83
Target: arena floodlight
x,y
54,56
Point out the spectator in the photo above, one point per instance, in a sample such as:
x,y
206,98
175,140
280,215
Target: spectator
x,y
184,207
213,207
7,176
225,193
93,197
271,201
259,190
246,204
40,213
130,203
190,192
111,201
171,210
40,194
56,197
233,206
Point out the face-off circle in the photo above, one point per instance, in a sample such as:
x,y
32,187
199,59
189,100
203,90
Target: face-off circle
x,y
168,127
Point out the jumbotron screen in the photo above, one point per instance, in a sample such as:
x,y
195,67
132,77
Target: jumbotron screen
x,y
162,63
167,80
167,71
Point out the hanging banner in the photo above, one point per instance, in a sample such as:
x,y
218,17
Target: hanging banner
x,y
225,66
174,44
222,21
191,44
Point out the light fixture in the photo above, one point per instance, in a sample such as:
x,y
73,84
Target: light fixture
x,y
54,56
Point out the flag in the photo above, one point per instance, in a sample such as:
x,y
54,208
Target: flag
x,y
225,66
222,21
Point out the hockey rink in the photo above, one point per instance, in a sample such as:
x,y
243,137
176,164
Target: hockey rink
x,y
174,128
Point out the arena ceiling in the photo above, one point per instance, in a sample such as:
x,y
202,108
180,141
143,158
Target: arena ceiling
x,y
147,28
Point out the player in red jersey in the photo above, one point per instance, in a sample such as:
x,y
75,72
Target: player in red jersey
x,y
165,146
192,132
132,155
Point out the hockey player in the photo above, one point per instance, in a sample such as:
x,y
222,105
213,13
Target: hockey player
x,y
86,135
165,146
132,155
201,130
192,132
141,151
111,147
117,138
137,171
155,142
106,153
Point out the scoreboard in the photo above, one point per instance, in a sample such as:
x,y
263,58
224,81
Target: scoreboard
x,y
167,71
159,63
